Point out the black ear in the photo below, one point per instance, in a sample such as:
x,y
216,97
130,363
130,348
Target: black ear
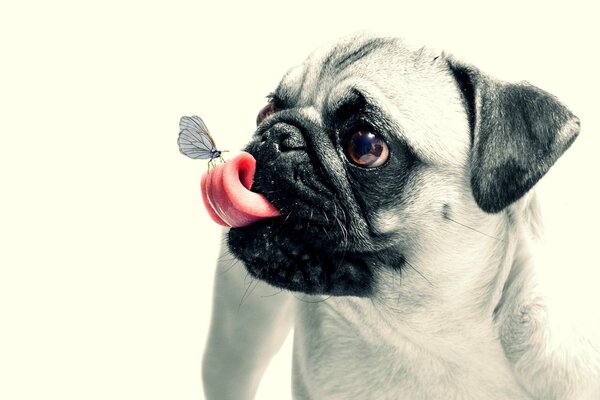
x,y
517,133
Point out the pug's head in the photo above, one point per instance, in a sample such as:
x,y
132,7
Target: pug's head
x,y
387,161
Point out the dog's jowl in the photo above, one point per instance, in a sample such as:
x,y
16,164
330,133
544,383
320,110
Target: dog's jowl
x,y
407,226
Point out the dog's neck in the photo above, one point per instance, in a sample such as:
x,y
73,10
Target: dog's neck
x,y
461,312
472,330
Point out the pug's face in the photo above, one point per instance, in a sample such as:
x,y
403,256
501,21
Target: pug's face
x,y
374,154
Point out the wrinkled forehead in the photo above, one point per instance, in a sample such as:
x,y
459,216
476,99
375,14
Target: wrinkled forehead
x,y
412,88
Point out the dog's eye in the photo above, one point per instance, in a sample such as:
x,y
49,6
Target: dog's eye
x,y
266,111
366,149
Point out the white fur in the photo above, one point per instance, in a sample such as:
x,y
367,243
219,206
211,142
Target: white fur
x,y
480,311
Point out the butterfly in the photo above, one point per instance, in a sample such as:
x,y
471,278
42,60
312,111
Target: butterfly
x,y
195,141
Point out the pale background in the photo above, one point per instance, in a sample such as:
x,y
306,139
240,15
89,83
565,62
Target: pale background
x,y
106,255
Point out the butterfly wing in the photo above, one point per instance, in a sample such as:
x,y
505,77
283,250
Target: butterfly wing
x,y
194,139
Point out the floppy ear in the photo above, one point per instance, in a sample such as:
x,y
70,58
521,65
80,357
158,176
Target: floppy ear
x,y
517,133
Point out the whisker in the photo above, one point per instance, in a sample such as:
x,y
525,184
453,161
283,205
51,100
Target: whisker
x,y
227,257
233,264
287,216
248,292
325,215
419,272
311,302
272,295
475,230
340,223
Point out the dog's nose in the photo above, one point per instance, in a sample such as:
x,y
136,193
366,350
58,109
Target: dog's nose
x,y
286,137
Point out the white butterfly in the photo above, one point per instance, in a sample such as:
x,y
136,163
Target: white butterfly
x,y
195,141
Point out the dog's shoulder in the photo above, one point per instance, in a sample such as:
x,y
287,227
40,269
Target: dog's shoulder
x,y
548,319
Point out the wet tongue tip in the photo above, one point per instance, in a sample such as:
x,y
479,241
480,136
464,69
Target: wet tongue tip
x,y
227,196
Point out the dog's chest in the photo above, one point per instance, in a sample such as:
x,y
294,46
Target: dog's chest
x,y
333,359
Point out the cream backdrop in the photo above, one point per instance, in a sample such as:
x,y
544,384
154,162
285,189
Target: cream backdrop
x,y
106,255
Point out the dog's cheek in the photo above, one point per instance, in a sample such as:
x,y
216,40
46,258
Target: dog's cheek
x,y
417,207
426,213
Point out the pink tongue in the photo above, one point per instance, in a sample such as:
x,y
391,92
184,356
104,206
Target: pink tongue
x,y
227,196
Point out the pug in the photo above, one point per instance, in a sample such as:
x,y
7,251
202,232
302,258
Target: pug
x,y
407,239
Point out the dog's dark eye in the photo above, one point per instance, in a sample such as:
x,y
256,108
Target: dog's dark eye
x,y
266,111
366,149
